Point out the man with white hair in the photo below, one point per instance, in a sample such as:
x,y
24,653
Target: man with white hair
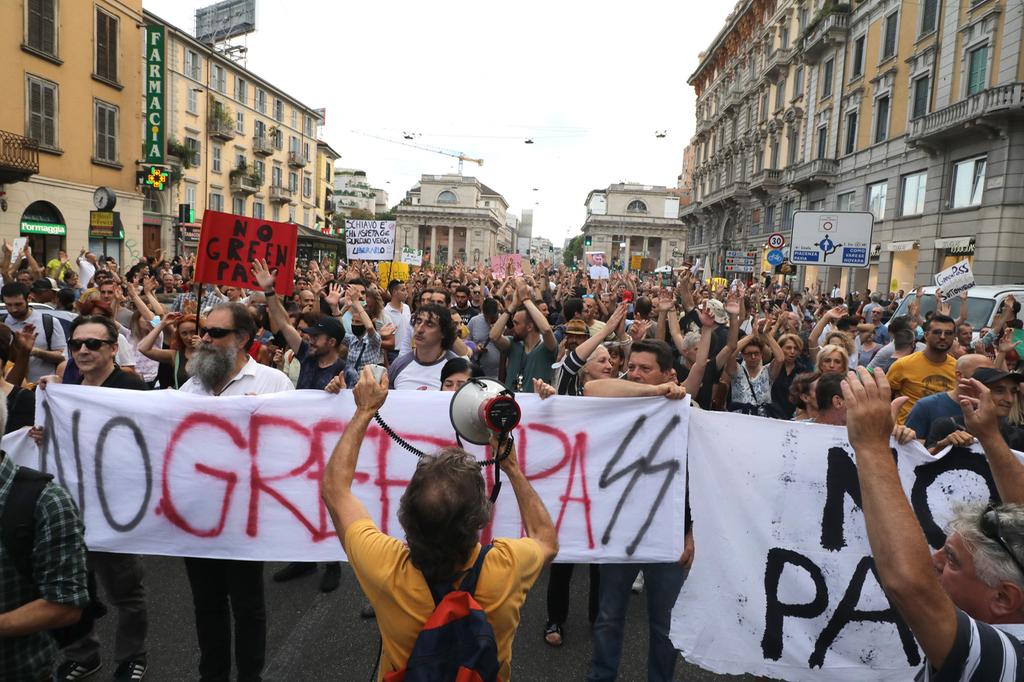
x,y
965,604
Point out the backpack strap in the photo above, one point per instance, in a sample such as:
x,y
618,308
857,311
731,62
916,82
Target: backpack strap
x,y
48,330
19,517
468,584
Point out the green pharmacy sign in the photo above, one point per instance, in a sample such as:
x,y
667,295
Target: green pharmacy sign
x,y
154,145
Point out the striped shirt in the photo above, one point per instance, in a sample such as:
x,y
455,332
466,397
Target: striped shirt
x,y
981,653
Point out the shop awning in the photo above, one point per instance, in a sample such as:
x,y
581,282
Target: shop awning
x,y
901,246
308,235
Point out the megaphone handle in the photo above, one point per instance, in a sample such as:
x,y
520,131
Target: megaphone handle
x,y
497,484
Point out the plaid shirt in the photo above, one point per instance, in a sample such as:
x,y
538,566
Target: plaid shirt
x,y
58,576
362,350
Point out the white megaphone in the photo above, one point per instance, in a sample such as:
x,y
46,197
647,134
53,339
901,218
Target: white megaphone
x,y
483,408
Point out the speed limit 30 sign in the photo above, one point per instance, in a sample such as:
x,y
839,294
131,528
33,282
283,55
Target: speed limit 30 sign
x,y
776,241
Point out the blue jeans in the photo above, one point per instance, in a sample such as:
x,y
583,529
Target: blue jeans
x,y
662,583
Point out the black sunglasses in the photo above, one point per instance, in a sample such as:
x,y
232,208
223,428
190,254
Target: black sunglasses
x,y
992,529
214,332
91,344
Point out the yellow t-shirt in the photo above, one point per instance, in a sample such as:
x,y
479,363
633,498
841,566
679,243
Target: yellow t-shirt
x,y
915,376
402,601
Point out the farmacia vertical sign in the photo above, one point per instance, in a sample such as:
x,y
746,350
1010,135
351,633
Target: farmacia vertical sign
x,y
154,144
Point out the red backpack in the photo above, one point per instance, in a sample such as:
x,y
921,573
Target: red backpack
x,y
456,643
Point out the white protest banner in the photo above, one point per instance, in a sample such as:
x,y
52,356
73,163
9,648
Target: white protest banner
x,y
169,473
370,239
17,246
412,256
955,280
500,264
783,584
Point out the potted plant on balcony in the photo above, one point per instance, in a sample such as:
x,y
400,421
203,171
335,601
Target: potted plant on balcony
x,y
242,169
180,154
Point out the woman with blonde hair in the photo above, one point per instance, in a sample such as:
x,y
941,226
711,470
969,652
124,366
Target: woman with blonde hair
x,y
832,359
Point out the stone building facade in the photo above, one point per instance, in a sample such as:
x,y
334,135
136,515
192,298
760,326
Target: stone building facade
x,y
626,220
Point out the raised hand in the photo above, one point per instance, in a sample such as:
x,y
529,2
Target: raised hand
x,y
334,295
264,277
25,339
870,410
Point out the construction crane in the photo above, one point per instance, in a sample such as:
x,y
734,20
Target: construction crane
x,y
427,148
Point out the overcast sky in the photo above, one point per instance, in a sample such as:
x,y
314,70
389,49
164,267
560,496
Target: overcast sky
x,y
589,83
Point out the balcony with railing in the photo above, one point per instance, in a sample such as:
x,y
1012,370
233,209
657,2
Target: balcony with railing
x,y
19,157
297,159
765,181
280,194
987,110
262,145
776,62
245,182
829,31
730,192
811,173
222,128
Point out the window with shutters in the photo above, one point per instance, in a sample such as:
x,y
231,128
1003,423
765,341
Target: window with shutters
x,y
218,78
929,16
193,65
922,94
41,123
105,124
193,151
261,100
215,158
293,181
977,64
216,201
41,26
278,110
106,46
241,90
257,210
890,35
238,205
307,186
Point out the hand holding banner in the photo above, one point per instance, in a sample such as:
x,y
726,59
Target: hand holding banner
x,y
228,244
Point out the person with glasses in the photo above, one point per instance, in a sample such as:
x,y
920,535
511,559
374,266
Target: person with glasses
x,y
965,603
932,370
222,366
93,344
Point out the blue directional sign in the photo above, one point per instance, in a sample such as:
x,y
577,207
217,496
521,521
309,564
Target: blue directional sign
x,y
775,257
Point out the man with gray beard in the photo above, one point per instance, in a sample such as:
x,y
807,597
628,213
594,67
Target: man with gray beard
x,y
220,366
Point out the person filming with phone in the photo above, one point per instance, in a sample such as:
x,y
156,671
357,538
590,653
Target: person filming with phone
x,y
442,512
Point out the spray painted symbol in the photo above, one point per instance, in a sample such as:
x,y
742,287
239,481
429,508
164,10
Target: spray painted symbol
x,y
828,247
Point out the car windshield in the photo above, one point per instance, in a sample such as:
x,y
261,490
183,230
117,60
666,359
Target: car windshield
x,y
979,310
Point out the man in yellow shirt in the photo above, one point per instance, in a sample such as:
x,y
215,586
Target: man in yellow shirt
x,y
932,370
441,512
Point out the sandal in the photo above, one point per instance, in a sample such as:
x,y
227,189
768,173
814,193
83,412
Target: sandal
x,y
553,635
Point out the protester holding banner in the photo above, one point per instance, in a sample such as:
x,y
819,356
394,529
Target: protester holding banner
x,y
221,366
433,336
981,574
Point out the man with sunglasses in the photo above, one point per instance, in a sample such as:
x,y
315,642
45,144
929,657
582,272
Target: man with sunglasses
x,y
221,366
964,604
93,344
932,370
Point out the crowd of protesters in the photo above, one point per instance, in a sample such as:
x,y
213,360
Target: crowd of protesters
x,y
759,348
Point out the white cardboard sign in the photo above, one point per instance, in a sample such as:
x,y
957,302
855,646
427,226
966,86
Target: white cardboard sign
x,y
955,280
370,239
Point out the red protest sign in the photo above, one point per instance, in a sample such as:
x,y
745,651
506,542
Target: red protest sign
x,y
228,244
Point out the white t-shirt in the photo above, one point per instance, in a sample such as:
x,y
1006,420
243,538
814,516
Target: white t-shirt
x,y
402,319
253,378
408,374
37,367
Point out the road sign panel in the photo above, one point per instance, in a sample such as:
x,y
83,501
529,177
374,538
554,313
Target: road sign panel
x,y
776,241
775,257
832,238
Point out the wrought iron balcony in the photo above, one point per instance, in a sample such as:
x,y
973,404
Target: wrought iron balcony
x,y
831,30
811,173
222,128
19,157
261,145
989,110
280,195
297,159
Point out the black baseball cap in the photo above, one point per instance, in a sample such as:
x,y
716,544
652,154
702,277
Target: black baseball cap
x,y
327,325
45,284
990,375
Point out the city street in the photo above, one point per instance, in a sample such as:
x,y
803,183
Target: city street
x,y
313,636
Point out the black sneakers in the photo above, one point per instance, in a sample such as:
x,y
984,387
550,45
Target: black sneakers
x,y
131,670
331,578
71,671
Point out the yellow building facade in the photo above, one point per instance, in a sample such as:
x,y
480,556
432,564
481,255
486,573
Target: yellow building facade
x,y
71,123
235,143
325,158
909,110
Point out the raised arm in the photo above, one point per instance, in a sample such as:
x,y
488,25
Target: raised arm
x,y
497,334
696,376
819,328
147,342
983,422
734,306
778,358
278,315
539,321
584,350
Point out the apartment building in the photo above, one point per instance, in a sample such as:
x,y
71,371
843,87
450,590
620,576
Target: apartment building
x,y
906,109
352,192
71,125
629,221
234,142
454,216
325,158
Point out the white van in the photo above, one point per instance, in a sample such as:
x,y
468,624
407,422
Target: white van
x,y
983,303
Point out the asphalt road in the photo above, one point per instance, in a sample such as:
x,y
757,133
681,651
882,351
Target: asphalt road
x,y
314,636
